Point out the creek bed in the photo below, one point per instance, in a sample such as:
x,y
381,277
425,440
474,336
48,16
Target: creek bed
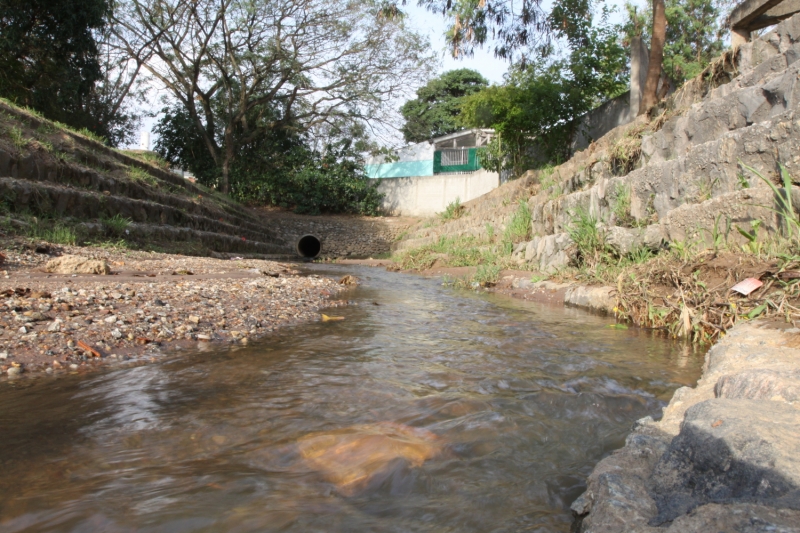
x,y
477,413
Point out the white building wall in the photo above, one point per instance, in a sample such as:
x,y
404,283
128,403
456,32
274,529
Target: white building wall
x,y
428,195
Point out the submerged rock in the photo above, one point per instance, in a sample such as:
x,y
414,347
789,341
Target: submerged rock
x,y
363,457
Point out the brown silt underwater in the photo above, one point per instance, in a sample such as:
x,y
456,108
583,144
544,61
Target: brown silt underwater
x,y
362,457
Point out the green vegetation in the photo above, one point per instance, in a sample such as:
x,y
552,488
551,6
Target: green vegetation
x,y
621,206
453,210
434,112
138,174
518,228
116,225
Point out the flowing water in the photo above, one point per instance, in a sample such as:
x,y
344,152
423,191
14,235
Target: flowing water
x,y
434,410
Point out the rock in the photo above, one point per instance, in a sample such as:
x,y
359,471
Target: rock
x,y
158,303
14,371
117,334
203,337
110,319
54,326
623,240
194,319
655,238
73,366
730,451
550,252
3,356
760,385
22,330
348,280
75,264
737,517
360,458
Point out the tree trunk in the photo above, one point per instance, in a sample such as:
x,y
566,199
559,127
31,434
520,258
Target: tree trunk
x,y
226,164
649,96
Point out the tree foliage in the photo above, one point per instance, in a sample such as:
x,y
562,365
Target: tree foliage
x,y
280,167
534,112
48,55
693,34
435,110
241,68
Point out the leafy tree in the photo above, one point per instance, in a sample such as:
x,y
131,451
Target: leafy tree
x,y
535,112
280,167
435,109
49,57
305,62
693,34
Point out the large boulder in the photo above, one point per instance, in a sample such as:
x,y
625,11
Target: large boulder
x,y
730,451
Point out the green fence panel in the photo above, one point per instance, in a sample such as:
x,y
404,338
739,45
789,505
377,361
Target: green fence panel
x,y
473,163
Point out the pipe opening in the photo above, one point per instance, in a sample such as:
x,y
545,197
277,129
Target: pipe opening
x,y
308,246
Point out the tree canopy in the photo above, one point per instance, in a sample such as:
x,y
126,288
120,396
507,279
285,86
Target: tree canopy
x,y
49,57
305,62
434,112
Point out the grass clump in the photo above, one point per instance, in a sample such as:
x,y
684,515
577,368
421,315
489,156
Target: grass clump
x,y
137,174
519,225
52,232
588,239
453,210
621,206
116,225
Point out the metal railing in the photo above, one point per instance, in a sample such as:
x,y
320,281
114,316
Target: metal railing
x,y
454,157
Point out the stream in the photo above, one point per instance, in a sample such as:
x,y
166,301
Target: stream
x,y
425,409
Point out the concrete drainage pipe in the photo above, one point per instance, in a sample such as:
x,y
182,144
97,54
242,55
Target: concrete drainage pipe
x,y
308,246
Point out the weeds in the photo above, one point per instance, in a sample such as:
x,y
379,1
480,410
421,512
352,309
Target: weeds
x,y
453,210
117,224
56,233
588,239
784,198
622,206
486,275
518,228
626,152
137,174
706,189
18,139
489,232
91,135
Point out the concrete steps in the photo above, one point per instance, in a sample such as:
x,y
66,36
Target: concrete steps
x,y
56,173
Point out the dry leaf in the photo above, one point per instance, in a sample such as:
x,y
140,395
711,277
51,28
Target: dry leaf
x,y
326,318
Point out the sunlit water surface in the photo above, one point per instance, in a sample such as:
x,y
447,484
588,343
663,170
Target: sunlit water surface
x,y
523,400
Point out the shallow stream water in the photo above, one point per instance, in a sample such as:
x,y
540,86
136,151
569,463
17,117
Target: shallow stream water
x,y
501,408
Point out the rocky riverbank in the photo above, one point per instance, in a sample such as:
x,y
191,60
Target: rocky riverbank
x,y
65,314
724,455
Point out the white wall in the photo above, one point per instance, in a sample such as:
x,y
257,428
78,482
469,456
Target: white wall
x,y
428,195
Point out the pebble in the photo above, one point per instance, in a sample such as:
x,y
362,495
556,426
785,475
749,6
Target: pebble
x,y
226,300
14,371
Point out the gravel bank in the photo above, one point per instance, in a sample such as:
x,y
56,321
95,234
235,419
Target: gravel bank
x,y
149,303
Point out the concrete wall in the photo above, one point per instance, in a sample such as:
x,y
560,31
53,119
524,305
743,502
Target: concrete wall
x,y
427,195
622,109
400,169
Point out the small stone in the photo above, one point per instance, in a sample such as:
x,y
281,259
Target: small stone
x,y
22,330
158,303
49,370
110,320
117,334
54,326
203,337
3,355
14,371
194,319
74,366
70,343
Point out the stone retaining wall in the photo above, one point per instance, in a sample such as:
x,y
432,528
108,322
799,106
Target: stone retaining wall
x,y
342,235
724,455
